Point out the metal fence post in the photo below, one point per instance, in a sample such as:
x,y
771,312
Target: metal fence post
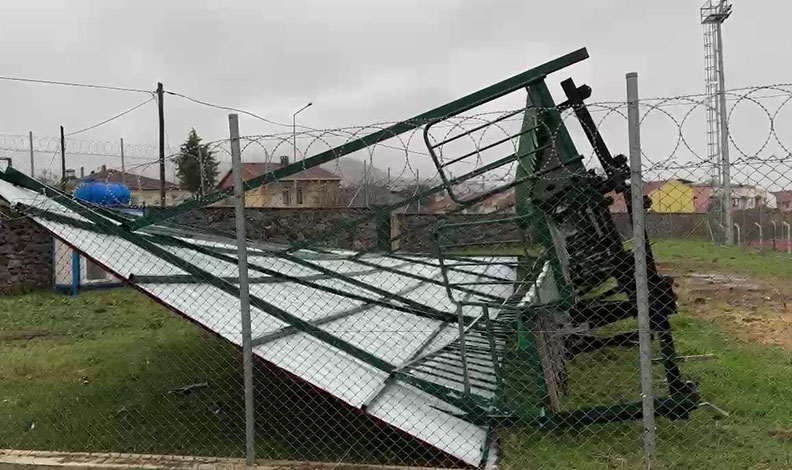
x,y
75,287
641,283
244,293
739,233
775,233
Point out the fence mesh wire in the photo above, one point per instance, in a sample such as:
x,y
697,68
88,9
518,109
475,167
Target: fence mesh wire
x,y
465,298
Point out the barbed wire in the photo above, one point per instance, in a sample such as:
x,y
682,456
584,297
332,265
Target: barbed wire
x,y
473,163
672,127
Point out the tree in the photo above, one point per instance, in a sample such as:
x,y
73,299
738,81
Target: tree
x,y
48,177
192,156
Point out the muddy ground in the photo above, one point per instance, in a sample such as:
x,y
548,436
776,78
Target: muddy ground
x,y
754,308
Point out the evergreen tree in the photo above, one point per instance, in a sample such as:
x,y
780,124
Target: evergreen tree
x,y
192,156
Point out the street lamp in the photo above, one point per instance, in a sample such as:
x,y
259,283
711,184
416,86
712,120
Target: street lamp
x,y
294,128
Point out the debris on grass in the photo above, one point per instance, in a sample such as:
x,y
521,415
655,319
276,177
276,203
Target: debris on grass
x,y
753,308
188,389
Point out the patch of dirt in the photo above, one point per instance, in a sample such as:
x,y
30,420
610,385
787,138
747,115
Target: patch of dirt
x,y
16,335
755,309
783,434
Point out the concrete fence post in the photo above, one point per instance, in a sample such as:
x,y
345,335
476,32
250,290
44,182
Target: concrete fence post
x,y
641,275
244,293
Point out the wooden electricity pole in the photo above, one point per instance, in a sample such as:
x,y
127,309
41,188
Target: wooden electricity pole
x,y
161,112
63,160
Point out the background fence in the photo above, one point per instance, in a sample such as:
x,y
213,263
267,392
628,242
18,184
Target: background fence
x,y
511,317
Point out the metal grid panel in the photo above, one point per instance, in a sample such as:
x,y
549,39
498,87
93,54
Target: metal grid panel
x,y
320,364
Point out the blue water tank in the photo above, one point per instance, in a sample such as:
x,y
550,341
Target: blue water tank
x,y
102,193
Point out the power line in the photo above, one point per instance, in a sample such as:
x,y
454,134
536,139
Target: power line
x,y
228,108
74,84
275,123
112,118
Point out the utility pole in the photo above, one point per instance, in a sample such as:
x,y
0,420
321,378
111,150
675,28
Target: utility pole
x,y
123,167
32,171
161,112
63,159
724,131
712,17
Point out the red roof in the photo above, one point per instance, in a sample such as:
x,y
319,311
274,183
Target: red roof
x,y
133,181
251,170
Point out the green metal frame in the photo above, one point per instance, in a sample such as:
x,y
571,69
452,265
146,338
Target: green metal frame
x,y
545,148
472,405
455,107
546,154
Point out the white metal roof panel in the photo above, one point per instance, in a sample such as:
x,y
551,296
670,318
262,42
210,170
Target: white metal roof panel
x,y
417,413
392,335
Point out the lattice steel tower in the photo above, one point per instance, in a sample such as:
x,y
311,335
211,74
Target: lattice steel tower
x,y
713,14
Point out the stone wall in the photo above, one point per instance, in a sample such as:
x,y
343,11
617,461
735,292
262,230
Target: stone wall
x,y
471,232
330,227
25,254
354,228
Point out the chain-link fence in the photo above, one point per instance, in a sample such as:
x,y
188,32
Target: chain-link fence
x,y
502,310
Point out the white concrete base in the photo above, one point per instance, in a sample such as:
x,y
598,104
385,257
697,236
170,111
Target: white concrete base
x,y
26,460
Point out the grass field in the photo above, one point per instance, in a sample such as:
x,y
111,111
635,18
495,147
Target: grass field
x,y
694,254
752,382
95,373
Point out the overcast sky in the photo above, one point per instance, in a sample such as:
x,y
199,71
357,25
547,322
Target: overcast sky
x,y
357,61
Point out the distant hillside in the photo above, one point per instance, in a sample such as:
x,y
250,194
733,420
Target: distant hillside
x,y
351,171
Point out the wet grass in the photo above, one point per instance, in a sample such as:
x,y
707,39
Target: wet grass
x,y
95,373
695,254
750,381
101,372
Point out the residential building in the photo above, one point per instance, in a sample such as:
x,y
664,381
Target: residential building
x,y
499,202
683,196
675,195
783,200
312,187
746,196
143,191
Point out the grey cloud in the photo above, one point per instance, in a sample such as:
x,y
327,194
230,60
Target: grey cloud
x,y
358,61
